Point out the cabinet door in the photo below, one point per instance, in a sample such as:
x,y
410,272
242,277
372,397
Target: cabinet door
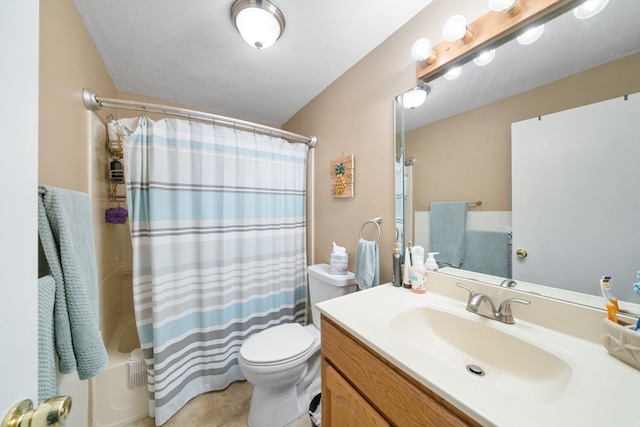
x,y
342,405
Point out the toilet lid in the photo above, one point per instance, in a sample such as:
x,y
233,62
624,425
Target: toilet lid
x,y
276,344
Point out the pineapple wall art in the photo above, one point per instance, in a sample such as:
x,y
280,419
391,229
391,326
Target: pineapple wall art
x,y
342,174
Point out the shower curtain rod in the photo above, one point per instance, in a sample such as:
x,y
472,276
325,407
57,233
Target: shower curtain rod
x,y
94,103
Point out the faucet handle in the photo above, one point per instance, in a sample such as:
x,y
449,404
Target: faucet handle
x,y
472,293
505,314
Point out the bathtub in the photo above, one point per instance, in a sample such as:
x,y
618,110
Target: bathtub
x,y
114,404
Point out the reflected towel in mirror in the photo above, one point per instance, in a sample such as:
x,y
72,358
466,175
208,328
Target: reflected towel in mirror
x,y
448,224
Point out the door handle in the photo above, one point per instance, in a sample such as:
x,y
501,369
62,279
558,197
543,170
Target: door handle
x,y
51,412
521,253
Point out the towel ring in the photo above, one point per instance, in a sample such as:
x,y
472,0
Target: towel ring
x,y
375,222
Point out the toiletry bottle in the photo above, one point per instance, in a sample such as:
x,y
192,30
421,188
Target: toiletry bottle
x,y
418,272
430,263
406,274
397,272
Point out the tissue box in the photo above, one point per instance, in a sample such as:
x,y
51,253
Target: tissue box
x,y
339,264
622,342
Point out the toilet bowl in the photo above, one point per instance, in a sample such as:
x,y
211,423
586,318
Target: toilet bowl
x,y
283,362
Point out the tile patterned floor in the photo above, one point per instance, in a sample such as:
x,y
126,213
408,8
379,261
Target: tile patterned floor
x,y
226,408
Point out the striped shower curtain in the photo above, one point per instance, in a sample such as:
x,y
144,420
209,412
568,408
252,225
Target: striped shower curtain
x,y
218,229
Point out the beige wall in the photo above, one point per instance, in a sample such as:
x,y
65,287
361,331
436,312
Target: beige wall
x,y
69,62
355,115
468,156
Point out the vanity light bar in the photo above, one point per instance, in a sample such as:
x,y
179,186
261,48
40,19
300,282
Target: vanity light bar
x,y
491,29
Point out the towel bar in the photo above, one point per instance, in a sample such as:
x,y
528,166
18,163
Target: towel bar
x,y
376,221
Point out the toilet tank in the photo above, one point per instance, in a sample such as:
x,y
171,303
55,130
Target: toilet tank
x,y
324,285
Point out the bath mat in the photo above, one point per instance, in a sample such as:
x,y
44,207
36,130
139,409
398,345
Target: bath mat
x,y
137,369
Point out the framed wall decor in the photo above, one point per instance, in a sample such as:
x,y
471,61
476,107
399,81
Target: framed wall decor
x,y
342,172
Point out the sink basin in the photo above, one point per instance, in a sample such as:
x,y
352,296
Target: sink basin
x,y
506,363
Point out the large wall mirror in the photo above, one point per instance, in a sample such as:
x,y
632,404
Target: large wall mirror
x,y
457,146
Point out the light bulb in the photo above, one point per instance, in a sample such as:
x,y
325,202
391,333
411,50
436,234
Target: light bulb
x,y
421,51
502,5
589,8
485,57
531,35
453,73
455,28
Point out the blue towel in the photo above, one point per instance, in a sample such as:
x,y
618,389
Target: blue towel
x,y
367,272
66,232
47,377
487,252
448,224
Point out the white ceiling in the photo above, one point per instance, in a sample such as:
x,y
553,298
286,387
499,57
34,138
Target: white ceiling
x,y
189,52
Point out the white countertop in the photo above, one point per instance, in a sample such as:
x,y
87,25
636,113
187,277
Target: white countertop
x,y
601,391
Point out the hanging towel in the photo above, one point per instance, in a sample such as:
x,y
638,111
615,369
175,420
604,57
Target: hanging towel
x,y
66,234
448,224
47,377
367,272
487,252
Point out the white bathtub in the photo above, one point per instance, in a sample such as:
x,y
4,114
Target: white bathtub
x,y
114,404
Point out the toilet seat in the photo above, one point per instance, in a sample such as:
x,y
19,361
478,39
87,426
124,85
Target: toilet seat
x,y
277,345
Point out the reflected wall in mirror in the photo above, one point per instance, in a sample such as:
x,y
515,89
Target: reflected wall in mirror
x,y
461,136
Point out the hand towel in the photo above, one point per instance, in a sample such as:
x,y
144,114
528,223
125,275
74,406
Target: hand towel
x,y
367,272
47,377
448,224
487,252
66,232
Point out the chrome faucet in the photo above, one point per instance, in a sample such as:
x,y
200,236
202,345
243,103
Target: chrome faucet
x,y
502,314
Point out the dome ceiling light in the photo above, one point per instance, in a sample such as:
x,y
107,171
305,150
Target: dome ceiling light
x,y
415,97
259,22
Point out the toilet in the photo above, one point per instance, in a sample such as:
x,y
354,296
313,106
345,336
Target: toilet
x,y
283,362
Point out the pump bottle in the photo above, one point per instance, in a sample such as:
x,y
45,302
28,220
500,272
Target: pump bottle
x,y
418,272
397,271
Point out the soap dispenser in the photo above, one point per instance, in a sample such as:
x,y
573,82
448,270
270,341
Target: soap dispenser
x,y
418,271
430,263
397,270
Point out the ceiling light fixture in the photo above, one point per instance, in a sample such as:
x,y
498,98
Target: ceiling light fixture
x,y
589,8
456,28
259,22
421,51
415,97
485,57
531,35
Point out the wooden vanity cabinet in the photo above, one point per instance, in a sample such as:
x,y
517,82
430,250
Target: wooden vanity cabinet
x,y
361,388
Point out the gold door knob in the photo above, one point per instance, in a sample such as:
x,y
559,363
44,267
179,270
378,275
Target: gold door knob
x,y
52,412
521,253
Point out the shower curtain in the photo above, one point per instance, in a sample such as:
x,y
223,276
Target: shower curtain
x,y
218,229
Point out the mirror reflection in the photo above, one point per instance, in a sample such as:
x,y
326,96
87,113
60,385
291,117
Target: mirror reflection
x,y
459,143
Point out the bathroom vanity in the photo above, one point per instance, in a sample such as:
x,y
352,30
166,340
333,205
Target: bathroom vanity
x,y
362,388
393,357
